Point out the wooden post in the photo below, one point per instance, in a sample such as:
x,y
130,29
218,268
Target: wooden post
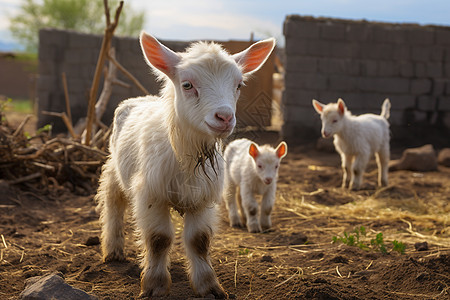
x,y
66,96
106,44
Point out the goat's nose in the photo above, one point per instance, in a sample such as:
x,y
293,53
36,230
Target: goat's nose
x,y
224,117
267,180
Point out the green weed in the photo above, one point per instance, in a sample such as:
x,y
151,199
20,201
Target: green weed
x,y
47,128
378,243
244,251
399,247
358,239
354,238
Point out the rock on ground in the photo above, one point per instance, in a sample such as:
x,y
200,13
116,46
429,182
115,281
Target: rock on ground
x,y
421,159
52,286
444,157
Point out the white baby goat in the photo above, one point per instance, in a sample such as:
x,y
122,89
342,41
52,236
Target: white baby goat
x,y
164,154
356,139
254,170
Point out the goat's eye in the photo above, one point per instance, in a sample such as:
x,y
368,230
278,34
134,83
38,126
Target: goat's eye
x,y
276,167
239,86
187,85
334,121
260,166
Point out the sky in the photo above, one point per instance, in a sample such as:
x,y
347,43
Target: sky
x,y
237,19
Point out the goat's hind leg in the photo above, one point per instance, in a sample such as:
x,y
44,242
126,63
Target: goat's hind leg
x,y
359,166
382,158
198,233
112,204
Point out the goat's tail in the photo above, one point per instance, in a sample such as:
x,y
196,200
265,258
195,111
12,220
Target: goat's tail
x,y
386,108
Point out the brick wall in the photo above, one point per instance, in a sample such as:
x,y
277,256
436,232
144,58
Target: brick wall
x,y
76,54
364,63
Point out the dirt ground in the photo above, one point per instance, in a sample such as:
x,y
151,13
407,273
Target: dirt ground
x,y
296,259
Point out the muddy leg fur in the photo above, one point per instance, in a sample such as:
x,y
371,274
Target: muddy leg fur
x,y
197,239
156,233
112,204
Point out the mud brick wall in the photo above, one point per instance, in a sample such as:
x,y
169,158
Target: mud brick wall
x,y
76,54
364,63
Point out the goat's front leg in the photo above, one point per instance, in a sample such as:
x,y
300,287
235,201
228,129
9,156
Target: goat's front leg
x,y
229,194
346,169
198,232
267,203
250,209
241,208
156,235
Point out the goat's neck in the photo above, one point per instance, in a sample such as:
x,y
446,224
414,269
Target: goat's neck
x,y
347,128
191,148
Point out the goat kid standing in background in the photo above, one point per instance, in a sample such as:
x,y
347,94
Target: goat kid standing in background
x,y
255,171
164,154
356,139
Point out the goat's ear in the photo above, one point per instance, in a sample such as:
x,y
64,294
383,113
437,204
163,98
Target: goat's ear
x,y
157,55
253,150
317,106
252,58
341,106
281,150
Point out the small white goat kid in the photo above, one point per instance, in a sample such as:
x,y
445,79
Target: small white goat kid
x,y
254,170
356,139
164,154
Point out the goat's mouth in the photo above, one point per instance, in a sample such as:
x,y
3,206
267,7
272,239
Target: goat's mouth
x,y
224,130
326,135
267,181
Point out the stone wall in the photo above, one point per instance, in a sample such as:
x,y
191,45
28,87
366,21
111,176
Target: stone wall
x,y
364,63
76,54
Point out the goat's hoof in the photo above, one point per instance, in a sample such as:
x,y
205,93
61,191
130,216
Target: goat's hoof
x,y
236,225
209,287
153,293
160,291
154,285
216,292
266,229
254,230
114,256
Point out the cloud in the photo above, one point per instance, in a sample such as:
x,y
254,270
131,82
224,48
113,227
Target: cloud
x,y
201,19
236,25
